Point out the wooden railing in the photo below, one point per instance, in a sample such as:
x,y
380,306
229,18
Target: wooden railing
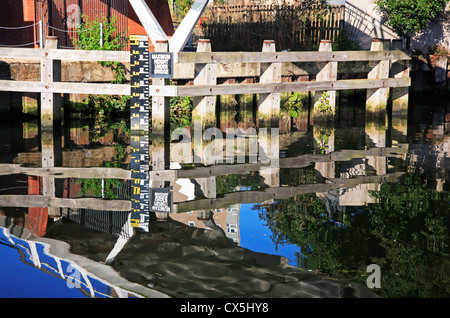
x,y
388,69
49,84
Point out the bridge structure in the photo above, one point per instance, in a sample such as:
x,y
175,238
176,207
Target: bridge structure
x,y
153,156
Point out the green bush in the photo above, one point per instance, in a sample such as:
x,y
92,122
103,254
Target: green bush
x,y
410,16
113,40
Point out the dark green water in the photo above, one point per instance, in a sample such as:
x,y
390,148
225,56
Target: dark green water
x,y
343,197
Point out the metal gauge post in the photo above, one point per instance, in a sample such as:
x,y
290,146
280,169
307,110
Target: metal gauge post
x,y
139,124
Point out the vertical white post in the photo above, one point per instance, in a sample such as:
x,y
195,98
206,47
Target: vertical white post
x,y
328,72
204,112
377,98
268,120
160,147
376,102
101,34
41,34
50,117
160,120
268,114
400,97
50,72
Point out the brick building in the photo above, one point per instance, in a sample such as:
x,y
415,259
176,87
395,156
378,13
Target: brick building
x,y
19,18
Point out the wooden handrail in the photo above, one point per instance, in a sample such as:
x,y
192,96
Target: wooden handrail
x,y
224,89
299,57
65,55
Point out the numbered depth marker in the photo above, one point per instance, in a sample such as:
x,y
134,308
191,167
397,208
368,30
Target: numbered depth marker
x,y
139,124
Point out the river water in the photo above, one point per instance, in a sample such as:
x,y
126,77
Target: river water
x,y
362,204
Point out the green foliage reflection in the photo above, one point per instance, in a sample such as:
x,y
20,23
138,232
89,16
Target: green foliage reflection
x,y
406,232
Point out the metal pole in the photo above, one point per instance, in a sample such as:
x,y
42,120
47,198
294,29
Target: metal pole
x,y
41,34
101,34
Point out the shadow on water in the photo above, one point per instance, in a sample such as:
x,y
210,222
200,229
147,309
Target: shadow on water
x,y
329,201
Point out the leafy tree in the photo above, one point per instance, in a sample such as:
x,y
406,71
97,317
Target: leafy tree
x,y
106,188
406,232
181,7
229,183
410,16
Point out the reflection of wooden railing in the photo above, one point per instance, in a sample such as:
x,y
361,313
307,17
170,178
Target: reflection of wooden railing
x,y
196,173
201,172
278,193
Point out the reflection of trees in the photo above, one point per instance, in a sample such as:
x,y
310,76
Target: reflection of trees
x,y
230,182
405,233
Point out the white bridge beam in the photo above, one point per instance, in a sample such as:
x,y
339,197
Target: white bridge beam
x,y
155,31
148,21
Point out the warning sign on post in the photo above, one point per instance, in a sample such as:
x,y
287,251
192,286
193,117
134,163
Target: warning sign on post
x,y
161,200
161,64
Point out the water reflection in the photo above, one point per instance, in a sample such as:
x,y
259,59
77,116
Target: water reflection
x,y
72,280
342,196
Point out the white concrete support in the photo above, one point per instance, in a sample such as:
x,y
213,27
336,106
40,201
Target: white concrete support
x,y
148,21
155,31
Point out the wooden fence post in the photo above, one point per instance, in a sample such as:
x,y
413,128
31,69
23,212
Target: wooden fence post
x,y
160,151
160,147
400,96
325,101
204,112
376,105
268,114
325,110
376,137
50,119
268,119
377,98
204,117
399,69
50,72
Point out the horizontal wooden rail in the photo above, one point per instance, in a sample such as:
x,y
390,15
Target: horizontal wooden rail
x,y
300,57
48,55
89,55
64,87
65,55
279,193
40,201
66,172
226,89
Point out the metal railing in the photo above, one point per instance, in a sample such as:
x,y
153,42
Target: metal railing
x,y
41,34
